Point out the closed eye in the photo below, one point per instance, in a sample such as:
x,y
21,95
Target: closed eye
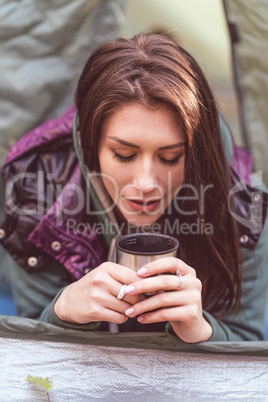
x,y
124,159
130,158
170,162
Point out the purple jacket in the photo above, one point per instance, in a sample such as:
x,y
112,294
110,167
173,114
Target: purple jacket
x,y
44,165
46,202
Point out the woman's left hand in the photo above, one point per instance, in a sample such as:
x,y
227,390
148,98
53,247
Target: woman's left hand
x,y
175,299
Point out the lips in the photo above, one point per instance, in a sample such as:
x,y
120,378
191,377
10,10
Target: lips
x,y
144,206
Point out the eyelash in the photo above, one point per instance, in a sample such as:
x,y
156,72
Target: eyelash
x,y
126,159
172,162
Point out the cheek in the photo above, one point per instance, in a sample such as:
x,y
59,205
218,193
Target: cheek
x,y
172,180
115,177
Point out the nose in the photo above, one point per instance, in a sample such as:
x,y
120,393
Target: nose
x,y
146,176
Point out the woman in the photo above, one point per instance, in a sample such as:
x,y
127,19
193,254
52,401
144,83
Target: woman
x,y
148,139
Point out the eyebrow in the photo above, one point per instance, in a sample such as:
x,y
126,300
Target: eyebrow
x,y
129,144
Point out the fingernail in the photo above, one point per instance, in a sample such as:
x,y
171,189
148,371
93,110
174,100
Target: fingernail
x,y
129,311
140,319
143,271
129,289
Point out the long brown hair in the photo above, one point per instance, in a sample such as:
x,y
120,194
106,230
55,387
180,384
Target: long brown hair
x,y
152,69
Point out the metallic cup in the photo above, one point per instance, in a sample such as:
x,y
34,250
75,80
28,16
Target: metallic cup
x,y
136,250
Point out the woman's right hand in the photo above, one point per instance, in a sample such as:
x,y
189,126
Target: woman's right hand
x,y
94,297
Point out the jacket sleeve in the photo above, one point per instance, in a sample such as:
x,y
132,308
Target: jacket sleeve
x,y
35,294
248,324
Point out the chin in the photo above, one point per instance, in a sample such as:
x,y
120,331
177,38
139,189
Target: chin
x,y
142,220
138,218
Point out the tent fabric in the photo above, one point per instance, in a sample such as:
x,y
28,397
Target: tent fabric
x,y
95,373
20,328
93,366
249,30
43,48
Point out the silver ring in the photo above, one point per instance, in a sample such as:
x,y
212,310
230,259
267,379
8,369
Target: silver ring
x,y
179,275
122,292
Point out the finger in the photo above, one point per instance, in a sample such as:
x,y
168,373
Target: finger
x,y
101,279
134,299
165,299
157,283
95,310
101,301
106,314
112,303
189,293
175,314
117,287
166,265
121,273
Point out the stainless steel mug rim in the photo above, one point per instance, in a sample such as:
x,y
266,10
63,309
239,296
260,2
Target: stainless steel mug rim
x,y
156,235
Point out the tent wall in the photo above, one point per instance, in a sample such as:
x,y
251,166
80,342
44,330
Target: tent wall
x,y
248,22
43,47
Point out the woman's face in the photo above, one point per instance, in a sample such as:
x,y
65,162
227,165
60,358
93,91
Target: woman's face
x,y
141,156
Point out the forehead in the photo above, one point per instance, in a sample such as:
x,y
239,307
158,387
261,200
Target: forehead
x,y
141,124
